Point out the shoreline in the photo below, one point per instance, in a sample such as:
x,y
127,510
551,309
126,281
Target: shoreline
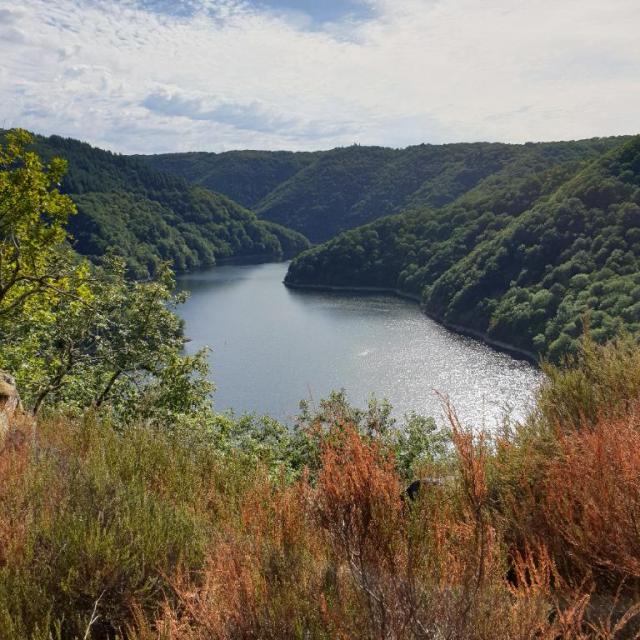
x,y
498,345
253,259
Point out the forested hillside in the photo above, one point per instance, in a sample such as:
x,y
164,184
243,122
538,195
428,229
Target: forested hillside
x,y
513,242
520,258
323,194
245,176
148,216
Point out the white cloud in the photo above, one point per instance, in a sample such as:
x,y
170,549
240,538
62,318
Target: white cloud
x,y
252,116
154,75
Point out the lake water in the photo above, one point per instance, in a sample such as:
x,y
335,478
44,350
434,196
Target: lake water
x,y
273,346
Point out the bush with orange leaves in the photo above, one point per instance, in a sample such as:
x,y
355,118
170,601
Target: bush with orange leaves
x,y
144,535
584,508
347,558
357,504
592,499
569,479
262,578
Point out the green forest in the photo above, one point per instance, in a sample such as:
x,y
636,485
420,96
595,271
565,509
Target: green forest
x,y
526,257
324,193
518,244
245,176
148,217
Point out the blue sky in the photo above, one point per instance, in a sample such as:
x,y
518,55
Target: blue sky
x,y
321,11
166,75
312,12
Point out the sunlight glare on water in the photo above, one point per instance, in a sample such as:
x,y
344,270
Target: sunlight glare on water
x,y
272,346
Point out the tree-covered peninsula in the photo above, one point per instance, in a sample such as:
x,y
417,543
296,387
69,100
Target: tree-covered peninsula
x,y
523,258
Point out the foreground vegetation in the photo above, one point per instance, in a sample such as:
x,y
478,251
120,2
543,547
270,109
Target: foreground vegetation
x,y
130,509
247,530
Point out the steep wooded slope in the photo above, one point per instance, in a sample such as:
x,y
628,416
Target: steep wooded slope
x,y
325,193
520,258
148,216
245,176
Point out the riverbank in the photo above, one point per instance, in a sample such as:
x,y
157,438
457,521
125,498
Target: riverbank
x,y
498,345
244,260
385,290
255,258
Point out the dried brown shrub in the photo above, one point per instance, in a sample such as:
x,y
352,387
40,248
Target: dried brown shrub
x,y
434,569
263,575
346,557
592,498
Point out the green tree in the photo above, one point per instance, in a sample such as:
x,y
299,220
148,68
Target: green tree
x,y
114,345
78,335
33,218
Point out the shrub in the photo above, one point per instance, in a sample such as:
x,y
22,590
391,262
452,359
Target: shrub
x,y
95,519
145,533
600,381
592,499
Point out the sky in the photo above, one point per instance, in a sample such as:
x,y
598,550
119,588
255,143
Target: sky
x,y
151,76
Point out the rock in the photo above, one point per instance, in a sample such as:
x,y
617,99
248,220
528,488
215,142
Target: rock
x,y
9,402
413,490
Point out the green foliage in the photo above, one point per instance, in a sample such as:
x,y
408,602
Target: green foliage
x,y
245,176
324,193
289,451
520,258
345,188
119,345
416,442
79,336
149,217
319,198
111,517
33,219
599,382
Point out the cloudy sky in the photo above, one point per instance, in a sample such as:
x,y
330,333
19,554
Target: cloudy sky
x,y
171,75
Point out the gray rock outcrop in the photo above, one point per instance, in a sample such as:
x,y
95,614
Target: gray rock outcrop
x,y
9,402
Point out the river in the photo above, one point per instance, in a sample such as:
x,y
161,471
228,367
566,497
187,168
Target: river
x,y
272,346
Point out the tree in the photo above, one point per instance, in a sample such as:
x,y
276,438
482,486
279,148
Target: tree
x,y
112,346
77,335
33,218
